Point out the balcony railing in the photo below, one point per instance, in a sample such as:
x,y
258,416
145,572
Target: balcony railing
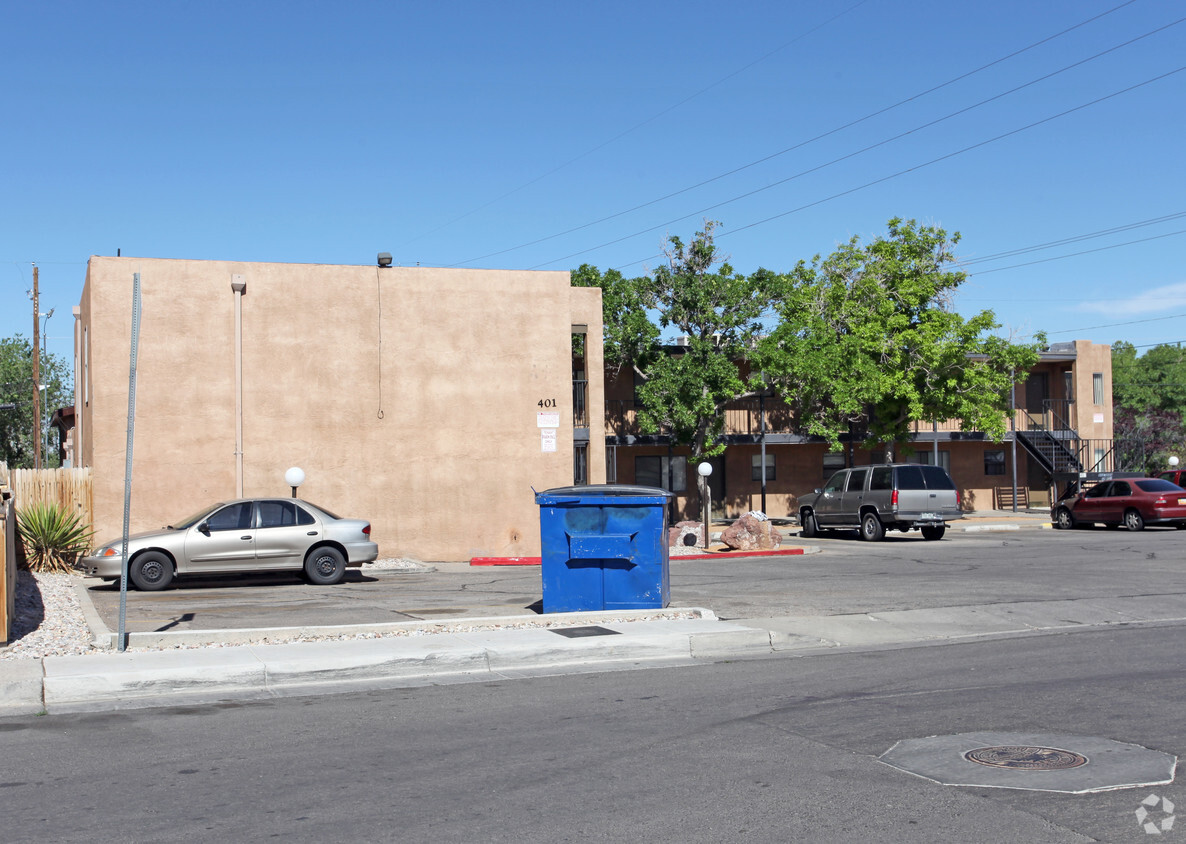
x,y
580,404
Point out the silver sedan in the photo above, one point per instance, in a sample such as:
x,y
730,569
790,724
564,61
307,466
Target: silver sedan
x,y
247,535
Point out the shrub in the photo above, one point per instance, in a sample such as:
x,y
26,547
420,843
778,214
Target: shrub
x,y
53,536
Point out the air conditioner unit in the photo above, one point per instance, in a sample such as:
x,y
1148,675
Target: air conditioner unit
x,y
682,340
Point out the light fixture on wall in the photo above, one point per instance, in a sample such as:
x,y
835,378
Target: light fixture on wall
x,y
384,259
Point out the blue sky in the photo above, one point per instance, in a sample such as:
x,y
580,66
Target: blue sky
x,y
546,135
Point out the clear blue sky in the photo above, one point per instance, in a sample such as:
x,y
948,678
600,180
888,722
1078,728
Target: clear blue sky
x,y
455,133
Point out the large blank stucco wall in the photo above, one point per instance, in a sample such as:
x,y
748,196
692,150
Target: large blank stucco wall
x,y
409,396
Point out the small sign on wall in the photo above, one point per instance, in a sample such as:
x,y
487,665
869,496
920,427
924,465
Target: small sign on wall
x,y
547,419
547,439
1099,417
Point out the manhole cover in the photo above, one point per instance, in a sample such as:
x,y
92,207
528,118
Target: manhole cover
x,y
1026,758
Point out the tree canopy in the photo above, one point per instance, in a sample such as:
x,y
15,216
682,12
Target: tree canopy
x,y
17,444
1149,400
865,340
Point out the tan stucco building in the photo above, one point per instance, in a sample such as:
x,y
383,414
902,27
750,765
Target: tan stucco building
x,y
429,401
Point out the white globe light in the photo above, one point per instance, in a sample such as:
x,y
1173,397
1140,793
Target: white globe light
x,y
705,469
294,476
1173,461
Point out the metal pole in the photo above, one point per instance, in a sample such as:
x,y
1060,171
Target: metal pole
x,y
935,442
762,417
1013,427
121,637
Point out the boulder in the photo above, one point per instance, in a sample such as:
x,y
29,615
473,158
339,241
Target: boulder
x,y
749,533
690,534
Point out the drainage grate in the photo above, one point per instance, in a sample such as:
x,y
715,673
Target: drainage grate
x,y
1026,758
580,632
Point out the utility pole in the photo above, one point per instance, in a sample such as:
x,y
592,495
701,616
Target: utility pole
x,y
36,372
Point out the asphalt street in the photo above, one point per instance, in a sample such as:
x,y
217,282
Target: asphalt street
x,y
777,749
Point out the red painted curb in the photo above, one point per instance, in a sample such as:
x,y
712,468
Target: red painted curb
x,y
505,561
535,561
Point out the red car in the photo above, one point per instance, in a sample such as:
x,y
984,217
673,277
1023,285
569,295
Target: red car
x,y
1134,503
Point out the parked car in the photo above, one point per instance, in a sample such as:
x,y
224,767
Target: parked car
x,y
1132,502
1174,476
874,499
247,535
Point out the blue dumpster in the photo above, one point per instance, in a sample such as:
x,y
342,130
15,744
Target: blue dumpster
x,y
604,547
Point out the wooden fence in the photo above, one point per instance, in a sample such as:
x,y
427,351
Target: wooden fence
x,y
70,488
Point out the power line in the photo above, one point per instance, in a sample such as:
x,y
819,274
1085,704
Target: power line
x,y
881,180
1116,324
1074,239
830,132
1083,252
637,126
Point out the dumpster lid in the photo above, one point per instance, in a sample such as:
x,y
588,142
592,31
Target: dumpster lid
x,y
586,490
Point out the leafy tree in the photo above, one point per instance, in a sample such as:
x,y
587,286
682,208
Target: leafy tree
x,y
1143,440
1155,380
868,341
17,445
718,310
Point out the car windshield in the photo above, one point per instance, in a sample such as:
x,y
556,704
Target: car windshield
x,y
1158,485
187,523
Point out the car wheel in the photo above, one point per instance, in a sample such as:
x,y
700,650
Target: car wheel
x,y
324,566
810,527
1063,520
151,572
872,530
934,531
1133,520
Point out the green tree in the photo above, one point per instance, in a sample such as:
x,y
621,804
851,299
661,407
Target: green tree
x,y
17,443
699,295
868,340
1154,381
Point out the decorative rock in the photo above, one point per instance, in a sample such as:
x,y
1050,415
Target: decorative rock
x,y
750,534
686,533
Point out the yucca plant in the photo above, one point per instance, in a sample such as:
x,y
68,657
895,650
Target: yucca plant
x,y
53,536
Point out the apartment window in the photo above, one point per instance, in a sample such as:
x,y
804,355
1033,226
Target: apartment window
x,y
657,470
756,467
1101,455
1068,385
611,464
833,462
580,464
1097,387
927,458
994,462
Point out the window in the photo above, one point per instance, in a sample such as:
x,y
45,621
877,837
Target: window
x,y
836,482
833,462
1101,455
232,517
856,480
611,464
910,477
580,464
1098,491
282,514
756,467
994,462
1120,488
1068,385
937,478
1097,387
656,471
883,478
927,458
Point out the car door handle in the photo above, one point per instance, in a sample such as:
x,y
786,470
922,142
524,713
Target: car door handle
x,y
311,533
245,537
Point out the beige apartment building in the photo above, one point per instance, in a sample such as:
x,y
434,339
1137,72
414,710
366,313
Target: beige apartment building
x,y
429,401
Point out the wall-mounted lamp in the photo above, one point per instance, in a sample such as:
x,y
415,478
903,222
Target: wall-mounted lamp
x,y
384,259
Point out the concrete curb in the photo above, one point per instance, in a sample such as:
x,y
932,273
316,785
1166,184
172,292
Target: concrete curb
x,y
722,554
158,678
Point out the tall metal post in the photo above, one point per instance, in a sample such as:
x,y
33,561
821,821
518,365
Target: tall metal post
x,y
36,372
121,637
762,434
1013,427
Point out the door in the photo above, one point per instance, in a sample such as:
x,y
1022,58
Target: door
x,y
1093,503
224,541
285,531
1037,390
854,496
828,503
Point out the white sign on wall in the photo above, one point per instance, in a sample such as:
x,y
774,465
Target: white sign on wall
x,y
547,419
547,439
1099,417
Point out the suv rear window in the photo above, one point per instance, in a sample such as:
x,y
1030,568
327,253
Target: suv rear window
x,y
910,477
937,478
